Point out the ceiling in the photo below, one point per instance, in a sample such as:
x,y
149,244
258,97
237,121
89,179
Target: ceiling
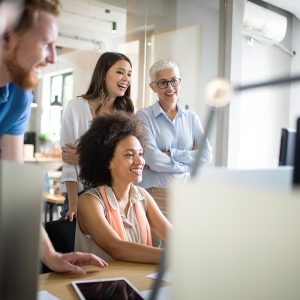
x,y
88,24
293,6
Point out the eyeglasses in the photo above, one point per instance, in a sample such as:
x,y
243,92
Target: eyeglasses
x,y
163,83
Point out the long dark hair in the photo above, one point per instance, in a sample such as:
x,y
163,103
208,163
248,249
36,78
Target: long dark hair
x,y
97,89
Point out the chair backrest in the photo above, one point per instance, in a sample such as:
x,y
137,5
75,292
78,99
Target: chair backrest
x,y
62,235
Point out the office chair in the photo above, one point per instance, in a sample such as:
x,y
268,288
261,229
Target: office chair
x,y
62,235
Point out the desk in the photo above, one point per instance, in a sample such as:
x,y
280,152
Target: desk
x,y
60,286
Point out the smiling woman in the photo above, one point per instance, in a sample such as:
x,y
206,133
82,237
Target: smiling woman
x,y
109,90
114,216
174,134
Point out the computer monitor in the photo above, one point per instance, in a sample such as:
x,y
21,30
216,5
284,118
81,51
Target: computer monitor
x,y
21,188
296,175
274,178
287,147
233,240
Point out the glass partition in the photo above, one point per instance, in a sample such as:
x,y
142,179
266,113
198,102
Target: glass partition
x,y
146,31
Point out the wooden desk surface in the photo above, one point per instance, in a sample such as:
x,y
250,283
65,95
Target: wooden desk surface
x,y
60,286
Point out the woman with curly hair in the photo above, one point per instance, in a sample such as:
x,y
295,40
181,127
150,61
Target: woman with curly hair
x,y
109,90
114,217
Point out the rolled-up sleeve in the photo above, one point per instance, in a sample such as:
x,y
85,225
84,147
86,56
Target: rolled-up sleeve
x,y
69,172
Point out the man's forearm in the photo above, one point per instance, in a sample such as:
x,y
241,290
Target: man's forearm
x,y
11,147
46,247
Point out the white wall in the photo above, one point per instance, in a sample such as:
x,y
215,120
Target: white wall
x,y
182,46
206,14
261,113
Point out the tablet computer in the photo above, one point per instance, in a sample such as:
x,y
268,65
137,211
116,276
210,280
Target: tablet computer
x,y
106,289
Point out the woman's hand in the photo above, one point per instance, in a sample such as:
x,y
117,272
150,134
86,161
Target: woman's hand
x,y
69,154
72,211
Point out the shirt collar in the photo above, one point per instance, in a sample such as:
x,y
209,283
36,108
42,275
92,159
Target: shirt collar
x,y
180,108
157,110
135,196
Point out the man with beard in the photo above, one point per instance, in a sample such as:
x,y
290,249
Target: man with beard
x,y
26,48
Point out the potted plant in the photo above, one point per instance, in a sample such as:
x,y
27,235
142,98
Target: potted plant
x,y
43,140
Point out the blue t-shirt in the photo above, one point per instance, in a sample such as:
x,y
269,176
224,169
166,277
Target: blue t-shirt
x,y
14,109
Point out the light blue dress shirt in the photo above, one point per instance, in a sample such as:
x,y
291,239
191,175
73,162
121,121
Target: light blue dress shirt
x,y
179,137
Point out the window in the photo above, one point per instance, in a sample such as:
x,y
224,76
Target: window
x,y
61,88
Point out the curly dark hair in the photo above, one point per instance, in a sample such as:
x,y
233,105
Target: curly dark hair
x,y
97,88
97,146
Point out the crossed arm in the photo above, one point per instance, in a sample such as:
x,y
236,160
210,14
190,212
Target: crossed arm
x,y
69,154
174,159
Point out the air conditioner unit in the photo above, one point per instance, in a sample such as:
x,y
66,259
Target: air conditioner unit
x,y
263,24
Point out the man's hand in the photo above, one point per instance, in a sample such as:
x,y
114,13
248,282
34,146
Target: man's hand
x,y
69,154
68,262
71,262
